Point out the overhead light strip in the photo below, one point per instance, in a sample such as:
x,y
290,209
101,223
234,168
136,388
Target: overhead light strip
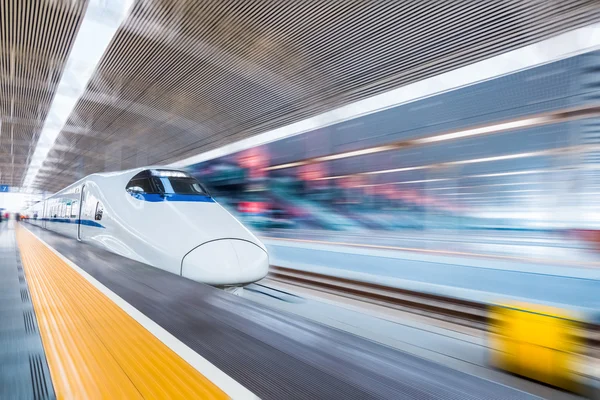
x,y
483,130
470,161
530,122
488,185
562,46
512,173
362,152
99,25
502,158
405,182
491,192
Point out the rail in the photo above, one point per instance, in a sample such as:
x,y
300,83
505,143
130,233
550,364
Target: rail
x,y
459,311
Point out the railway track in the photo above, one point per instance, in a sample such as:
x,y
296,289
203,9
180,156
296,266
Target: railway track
x,y
453,310
449,309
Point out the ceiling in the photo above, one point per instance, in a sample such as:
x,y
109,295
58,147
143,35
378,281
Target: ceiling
x,y
183,77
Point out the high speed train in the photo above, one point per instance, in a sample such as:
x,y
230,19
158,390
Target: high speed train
x,y
159,216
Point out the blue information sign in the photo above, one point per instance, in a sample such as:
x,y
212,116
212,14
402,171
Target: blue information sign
x,y
4,188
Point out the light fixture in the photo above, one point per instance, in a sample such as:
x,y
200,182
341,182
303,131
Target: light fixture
x,y
327,178
482,130
387,171
485,185
405,182
524,172
354,153
288,165
100,23
501,158
469,161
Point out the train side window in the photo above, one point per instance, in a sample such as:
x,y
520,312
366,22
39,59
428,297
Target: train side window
x,y
74,209
99,212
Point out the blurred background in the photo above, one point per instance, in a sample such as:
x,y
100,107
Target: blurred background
x,y
508,157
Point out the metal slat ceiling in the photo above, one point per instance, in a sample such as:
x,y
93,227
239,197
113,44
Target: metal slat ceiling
x,y
35,39
184,77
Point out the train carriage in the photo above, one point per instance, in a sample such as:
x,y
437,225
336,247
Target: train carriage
x,y
161,217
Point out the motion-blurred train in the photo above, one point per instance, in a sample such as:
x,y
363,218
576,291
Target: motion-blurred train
x,y
160,217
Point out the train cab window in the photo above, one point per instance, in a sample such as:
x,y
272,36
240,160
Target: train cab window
x,y
165,182
181,186
177,182
99,212
140,185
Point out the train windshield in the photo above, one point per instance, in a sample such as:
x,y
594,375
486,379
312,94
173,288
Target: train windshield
x,y
179,185
165,182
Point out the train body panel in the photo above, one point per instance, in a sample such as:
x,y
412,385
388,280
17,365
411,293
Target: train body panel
x,y
186,234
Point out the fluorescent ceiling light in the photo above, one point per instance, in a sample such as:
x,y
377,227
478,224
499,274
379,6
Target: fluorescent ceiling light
x,y
505,126
384,171
457,194
101,21
288,165
354,153
405,182
490,192
520,191
565,45
470,161
331,157
491,184
500,158
387,171
450,188
525,172
326,178
510,184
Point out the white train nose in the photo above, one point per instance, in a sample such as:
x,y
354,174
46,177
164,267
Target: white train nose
x,y
226,261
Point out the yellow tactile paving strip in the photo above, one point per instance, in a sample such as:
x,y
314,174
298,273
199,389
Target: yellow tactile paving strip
x,y
94,349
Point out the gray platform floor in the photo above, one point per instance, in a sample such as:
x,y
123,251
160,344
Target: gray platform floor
x,y
24,371
275,354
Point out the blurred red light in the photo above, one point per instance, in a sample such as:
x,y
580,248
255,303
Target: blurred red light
x,y
252,207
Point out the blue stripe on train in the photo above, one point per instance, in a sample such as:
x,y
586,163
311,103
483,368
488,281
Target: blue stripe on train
x,y
157,198
87,222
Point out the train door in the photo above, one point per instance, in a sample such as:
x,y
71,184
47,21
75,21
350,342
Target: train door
x,y
81,205
42,217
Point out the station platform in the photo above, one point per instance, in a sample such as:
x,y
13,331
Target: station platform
x,y
452,271
550,247
115,328
24,370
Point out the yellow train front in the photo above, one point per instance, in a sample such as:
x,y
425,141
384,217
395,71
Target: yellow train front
x,y
546,344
